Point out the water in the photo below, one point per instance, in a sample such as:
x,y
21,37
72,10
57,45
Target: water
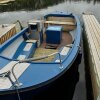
x,y
77,7
68,6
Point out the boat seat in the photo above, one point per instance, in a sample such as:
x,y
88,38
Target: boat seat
x,y
25,50
60,23
63,52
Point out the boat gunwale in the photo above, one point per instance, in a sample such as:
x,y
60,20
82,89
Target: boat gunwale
x,y
75,47
3,46
6,43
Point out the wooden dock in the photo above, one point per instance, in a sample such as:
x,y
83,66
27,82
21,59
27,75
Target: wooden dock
x,y
92,35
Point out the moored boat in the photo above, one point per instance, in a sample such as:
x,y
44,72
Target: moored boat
x,y
38,55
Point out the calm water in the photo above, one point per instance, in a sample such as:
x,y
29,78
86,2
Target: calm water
x,y
77,7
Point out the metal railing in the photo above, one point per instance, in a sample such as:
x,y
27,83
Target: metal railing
x,y
43,57
17,83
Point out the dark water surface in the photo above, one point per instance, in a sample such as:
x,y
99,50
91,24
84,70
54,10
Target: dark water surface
x,y
32,11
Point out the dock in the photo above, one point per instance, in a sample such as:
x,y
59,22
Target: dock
x,y
92,37
5,1
6,32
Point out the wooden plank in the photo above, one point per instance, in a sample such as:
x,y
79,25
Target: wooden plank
x,y
58,22
97,25
5,28
6,31
92,44
95,35
92,28
64,19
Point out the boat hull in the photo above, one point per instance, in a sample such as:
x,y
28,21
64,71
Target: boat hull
x,y
43,80
62,87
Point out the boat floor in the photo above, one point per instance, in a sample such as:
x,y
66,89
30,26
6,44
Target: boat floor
x,y
66,39
46,49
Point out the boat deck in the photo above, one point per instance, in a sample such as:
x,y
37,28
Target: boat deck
x,y
92,34
47,49
66,40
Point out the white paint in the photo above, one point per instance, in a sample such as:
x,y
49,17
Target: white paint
x,y
31,41
21,57
64,51
73,34
58,60
11,49
27,47
18,70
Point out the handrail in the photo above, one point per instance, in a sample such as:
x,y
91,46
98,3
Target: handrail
x,y
43,57
7,74
12,70
33,59
59,58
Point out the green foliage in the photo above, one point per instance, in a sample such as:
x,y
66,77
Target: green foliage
x,y
28,4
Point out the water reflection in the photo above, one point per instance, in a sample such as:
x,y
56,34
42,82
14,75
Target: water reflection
x,y
94,1
27,4
88,1
35,4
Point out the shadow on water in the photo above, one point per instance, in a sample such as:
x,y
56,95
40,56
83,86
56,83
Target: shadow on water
x,y
34,4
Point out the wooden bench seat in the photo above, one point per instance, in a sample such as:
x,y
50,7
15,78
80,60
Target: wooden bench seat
x,y
66,26
60,23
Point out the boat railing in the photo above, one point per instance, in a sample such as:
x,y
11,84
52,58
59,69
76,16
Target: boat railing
x,y
9,72
12,70
34,59
43,57
8,75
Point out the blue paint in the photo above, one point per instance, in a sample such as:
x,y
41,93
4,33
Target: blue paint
x,y
54,34
60,14
12,39
20,50
41,36
54,28
39,72
3,62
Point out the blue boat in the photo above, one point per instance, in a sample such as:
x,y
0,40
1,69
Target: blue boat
x,y
33,59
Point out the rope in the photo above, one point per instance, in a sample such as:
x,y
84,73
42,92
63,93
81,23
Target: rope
x,y
17,92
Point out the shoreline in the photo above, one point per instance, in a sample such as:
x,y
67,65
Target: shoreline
x,y
5,1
